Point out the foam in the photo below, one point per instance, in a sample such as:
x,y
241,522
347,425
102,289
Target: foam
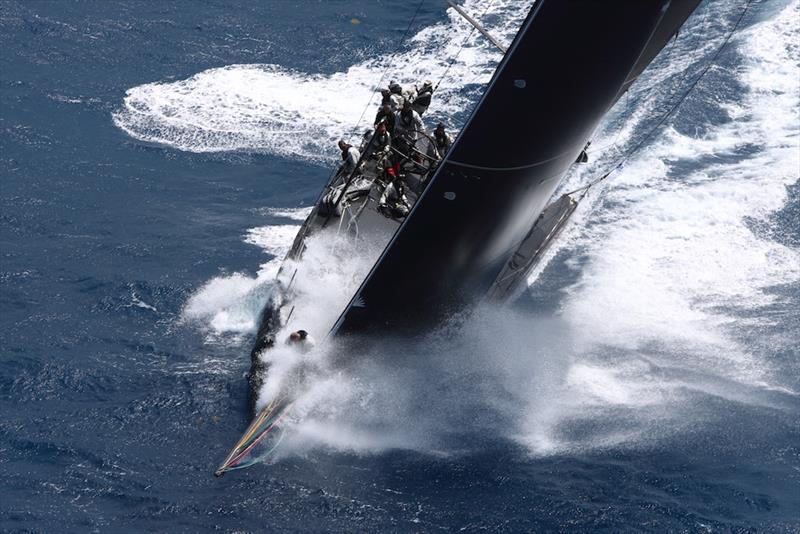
x,y
320,283
275,240
270,109
668,261
665,260
227,307
294,214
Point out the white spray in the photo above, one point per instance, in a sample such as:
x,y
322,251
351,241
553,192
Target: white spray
x,y
662,264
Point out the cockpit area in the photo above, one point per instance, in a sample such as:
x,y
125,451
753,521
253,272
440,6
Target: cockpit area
x,y
383,173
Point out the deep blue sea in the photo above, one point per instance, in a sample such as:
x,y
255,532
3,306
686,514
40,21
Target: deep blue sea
x,y
156,159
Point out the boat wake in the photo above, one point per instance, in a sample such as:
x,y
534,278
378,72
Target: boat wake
x,y
658,285
269,109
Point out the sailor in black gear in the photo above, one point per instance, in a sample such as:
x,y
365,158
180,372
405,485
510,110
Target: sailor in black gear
x,y
396,96
366,137
443,139
386,98
378,142
423,99
386,115
395,88
382,139
407,129
408,123
394,203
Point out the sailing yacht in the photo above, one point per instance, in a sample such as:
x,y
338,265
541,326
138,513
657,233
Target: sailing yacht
x,y
452,229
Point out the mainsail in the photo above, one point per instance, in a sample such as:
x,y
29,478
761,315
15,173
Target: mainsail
x,y
569,63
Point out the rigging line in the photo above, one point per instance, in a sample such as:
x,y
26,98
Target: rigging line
x,y
460,48
254,461
389,62
684,75
508,169
672,109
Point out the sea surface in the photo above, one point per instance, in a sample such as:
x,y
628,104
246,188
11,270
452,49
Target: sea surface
x,y
156,159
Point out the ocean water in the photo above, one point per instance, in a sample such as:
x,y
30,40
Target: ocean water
x,y
155,163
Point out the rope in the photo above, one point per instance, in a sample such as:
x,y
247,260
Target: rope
x,y
380,81
261,457
389,63
613,144
460,48
515,168
585,189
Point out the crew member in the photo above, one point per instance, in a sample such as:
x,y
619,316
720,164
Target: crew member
x,y
423,99
375,144
350,157
393,202
407,128
410,94
443,139
396,95
382,140
385,115
386,98
301,340
408,123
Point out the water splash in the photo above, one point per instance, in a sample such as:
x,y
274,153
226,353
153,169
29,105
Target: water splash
x,y
663,262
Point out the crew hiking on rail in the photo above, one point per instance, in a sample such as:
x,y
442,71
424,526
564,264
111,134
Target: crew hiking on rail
x,y
398,150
